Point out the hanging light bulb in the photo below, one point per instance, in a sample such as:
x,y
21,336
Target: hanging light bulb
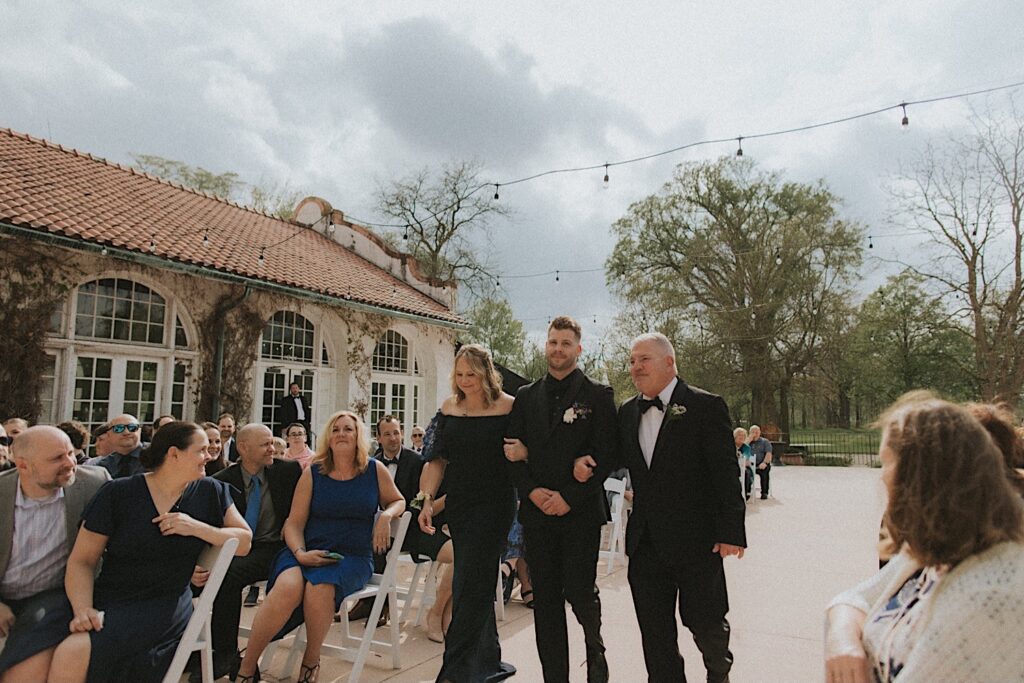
x,y
606,176
497,283
974,233
103,251
330,228
871,245
778,256
152,244
496,186
206,239
906,121
753,315
406,236
739,152
556,276
262,257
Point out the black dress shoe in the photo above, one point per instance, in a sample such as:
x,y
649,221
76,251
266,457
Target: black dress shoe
x,y
361,610
252,598
221,667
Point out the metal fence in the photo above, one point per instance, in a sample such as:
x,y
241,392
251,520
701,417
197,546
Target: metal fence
x,y
837,447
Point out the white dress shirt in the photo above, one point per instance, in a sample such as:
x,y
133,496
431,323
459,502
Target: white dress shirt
x,y
300,412
39,549
650,422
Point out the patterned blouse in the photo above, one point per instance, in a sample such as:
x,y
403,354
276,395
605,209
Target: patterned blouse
x,y
890,635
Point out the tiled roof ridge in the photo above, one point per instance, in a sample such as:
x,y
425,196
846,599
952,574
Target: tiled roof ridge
x,y
135,171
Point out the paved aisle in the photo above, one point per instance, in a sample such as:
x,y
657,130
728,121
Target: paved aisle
x,y
815,537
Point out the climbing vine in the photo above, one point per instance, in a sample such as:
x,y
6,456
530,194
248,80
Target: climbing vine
x,y
34,282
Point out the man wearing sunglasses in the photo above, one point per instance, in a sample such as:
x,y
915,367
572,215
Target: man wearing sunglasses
x,y
5,458
124,439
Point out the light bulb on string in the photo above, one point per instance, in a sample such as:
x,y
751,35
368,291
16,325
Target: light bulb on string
x,y
406,236
330,228
753,315
103,251
778,256
906,121
497,283
739,141
871,245
152,244
496,186
605,183
206,239
557,279
974,233
262,257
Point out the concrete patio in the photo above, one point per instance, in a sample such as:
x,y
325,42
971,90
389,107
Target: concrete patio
x,y
814,537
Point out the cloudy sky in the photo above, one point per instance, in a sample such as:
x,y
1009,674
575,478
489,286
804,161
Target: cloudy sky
x,y
334,98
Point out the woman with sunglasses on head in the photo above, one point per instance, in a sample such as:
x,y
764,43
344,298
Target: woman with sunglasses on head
x,y
297,450
125,623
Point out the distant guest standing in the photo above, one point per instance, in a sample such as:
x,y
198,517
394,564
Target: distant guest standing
x,y
293,407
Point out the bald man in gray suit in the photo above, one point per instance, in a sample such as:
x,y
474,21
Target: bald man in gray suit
x,y
41,504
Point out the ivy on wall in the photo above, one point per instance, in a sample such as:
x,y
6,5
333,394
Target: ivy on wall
x,y
34,282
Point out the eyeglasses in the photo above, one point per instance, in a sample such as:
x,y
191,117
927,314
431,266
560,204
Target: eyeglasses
x,y
6,440
417,436
297,434
119,429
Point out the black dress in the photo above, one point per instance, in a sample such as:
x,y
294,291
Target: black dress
x,y
143,585
479,507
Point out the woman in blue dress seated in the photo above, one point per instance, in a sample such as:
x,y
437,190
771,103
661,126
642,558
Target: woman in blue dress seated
x,y
149,530
330,537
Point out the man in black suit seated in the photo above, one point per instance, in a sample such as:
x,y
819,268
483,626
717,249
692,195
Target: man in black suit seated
x,y
687,511
555,420
293,407
262,489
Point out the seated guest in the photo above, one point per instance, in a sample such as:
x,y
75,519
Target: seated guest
x,y
331,535
14,426
79,436
262,487
150,429
6,463
948,606
217,461
149,530
417,438
102,443
41,503
280,446
124,438
297,450
762,451
745,457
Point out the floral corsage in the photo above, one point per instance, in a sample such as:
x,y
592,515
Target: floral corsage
x,y
575,412
674,412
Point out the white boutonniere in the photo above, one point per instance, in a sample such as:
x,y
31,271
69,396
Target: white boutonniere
x,y
575,412
674,412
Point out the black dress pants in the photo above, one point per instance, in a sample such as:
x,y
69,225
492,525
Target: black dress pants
x,y
562,555
764,475
697,588
227,606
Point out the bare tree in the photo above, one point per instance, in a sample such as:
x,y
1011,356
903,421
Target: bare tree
x,y
443,212
967,195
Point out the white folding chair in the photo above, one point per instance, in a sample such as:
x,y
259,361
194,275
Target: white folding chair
x,y
355,649
499,597
423,585
197,632
616,538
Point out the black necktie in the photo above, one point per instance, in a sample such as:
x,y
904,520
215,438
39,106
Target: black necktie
x,y
646,403
124,467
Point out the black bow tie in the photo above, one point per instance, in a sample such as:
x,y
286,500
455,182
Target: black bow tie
x,y
390,461
647,403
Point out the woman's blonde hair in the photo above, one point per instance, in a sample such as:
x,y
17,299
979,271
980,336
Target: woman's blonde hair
x,y
949,497
479,360
325,458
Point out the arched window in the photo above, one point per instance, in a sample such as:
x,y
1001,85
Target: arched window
x,y
395,386
115,309
288,336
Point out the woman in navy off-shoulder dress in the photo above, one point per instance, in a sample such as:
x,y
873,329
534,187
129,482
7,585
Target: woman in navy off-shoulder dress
x,y
467,437
149,530
332,515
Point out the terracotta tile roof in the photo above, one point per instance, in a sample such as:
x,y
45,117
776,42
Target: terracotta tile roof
x,y
50,188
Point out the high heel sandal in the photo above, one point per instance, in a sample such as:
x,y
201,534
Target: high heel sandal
x,y
507,581
308,674
527,601
254,677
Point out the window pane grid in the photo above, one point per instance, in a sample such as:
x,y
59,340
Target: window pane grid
x,y
120,310
178,390
391,353
288,336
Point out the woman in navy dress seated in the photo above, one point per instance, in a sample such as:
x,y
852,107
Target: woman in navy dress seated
x,y
149,530
332,515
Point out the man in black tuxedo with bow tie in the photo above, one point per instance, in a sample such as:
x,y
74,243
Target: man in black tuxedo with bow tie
x,y
555,420
687,511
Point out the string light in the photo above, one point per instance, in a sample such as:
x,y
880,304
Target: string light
x,y
778,256
103,251
906,121
262,258
557,279
406,236
496,186
206,239
739,152
871,245
330,228
152,244
606,176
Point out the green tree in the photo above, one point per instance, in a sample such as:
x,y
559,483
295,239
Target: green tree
x,y
755,262
968,196
493,325
445,212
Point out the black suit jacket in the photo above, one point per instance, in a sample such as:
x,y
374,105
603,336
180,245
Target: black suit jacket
x,y
407,477
554,447
286,412
689,498
282,476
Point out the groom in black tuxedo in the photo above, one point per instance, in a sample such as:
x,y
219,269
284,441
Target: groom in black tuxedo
x,y
555,420
687,511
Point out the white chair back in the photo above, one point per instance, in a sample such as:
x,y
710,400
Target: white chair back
x,y
616,534
197,633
